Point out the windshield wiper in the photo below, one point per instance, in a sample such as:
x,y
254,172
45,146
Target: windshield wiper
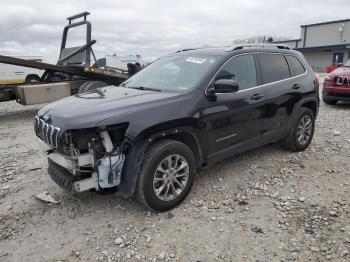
x,y
145,88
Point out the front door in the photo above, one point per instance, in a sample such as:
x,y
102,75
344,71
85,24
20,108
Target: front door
x,y
235,118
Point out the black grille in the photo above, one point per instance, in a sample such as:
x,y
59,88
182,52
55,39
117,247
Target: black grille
x,y
48,133
339,95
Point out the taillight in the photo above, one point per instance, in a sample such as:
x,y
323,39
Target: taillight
x,y
317,83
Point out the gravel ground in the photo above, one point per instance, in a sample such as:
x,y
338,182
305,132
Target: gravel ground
x,y
265,205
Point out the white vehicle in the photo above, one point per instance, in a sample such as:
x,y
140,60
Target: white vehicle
x,y
12,74
121,62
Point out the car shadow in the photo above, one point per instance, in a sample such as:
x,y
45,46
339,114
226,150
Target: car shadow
x,y
343,105
340,105
205,179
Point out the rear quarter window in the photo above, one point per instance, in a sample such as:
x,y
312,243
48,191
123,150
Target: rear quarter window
x,y
274,67
296,67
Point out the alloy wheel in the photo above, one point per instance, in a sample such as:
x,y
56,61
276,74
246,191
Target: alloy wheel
x,y
171,177
304,129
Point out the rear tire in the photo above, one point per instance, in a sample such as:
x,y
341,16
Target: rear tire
x,y
302,131
166,176
329,101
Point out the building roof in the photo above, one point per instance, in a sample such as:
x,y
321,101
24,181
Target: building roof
x,y
324,47
325,23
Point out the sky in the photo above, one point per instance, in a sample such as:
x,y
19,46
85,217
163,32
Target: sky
x,y
154,28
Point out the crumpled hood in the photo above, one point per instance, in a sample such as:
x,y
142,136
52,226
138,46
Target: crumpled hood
x,y
109,105
340,71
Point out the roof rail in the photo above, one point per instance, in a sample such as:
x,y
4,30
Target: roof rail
x,y
188,49
196,48
261,45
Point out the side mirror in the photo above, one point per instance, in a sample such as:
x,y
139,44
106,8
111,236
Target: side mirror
x,y
222,86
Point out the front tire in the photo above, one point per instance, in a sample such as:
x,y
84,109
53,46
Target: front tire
x,y
302,131
166,176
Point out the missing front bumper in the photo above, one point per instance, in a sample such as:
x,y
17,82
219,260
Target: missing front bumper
x,y
68,181
72,163
86,184
106,175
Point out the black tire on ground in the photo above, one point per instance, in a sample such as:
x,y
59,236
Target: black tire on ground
x,y
292,142
329,101
90,86
157,154
32,79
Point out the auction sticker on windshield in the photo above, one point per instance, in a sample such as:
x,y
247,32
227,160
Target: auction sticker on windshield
x,y
196,60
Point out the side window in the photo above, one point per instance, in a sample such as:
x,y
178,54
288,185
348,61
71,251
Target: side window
x,y
241,69
296,67
274,67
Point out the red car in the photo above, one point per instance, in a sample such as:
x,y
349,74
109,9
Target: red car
x,y
336,86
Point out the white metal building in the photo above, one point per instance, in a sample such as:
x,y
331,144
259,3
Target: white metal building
x,y
323,44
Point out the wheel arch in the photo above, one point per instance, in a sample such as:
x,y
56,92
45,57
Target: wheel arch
x,y
184,131
308,102
32,76
312,105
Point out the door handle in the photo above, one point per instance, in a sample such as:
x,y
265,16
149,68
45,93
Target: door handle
x,y
296,86
256,96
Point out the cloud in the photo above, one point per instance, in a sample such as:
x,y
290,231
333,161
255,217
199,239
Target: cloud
x,y
154,27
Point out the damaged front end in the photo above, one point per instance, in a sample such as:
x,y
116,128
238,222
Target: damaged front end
x,y
85,159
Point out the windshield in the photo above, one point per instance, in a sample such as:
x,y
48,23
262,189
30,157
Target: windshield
x,y
347,64
176,73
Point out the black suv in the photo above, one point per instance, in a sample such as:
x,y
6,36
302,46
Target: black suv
x,y
148,136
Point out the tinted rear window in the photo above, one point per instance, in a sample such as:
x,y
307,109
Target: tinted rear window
x,y
296,67
274,67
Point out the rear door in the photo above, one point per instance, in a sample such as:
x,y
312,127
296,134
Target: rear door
x,y
234,119
283,88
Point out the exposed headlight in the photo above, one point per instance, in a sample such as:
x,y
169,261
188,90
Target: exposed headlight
x,y
78,140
